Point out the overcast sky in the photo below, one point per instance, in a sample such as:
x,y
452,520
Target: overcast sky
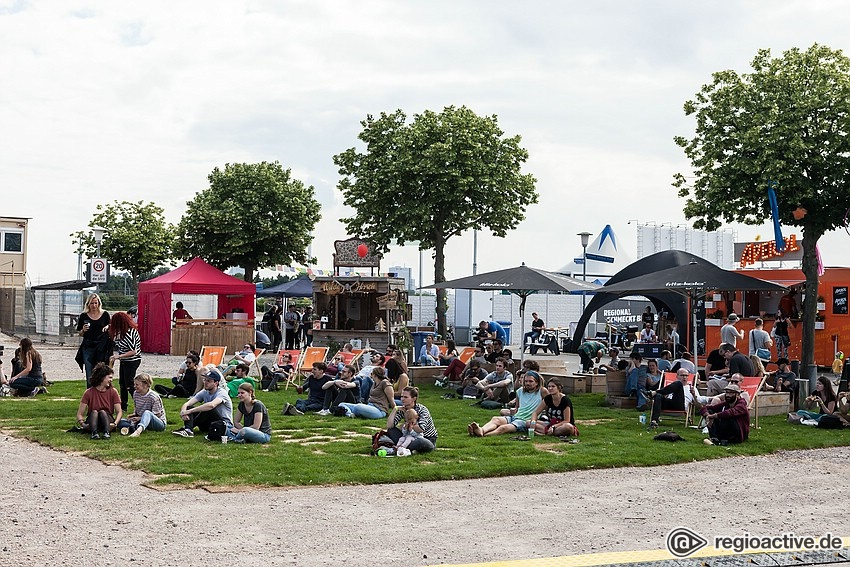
x,y
105,101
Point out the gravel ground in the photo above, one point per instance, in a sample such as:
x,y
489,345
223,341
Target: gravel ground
x,y
64,509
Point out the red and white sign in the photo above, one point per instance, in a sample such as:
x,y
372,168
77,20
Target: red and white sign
x,y
99,270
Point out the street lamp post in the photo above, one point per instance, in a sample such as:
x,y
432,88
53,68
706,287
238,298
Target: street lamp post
x,y
585,238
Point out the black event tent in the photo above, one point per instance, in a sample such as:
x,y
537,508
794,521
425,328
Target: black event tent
x,y
671,302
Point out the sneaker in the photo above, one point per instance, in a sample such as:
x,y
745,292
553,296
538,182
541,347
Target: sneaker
x,y
106,435
292,410
286,410
653,424
183,432
137,432
95,436
171,396
324,412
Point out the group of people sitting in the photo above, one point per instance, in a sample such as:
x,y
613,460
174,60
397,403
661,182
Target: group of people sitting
x,y
27,378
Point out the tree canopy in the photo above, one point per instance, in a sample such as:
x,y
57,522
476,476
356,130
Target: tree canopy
x,y
252,215
136,238
786,122
434,178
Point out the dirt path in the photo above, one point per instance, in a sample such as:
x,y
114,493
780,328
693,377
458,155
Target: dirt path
x,y
67,509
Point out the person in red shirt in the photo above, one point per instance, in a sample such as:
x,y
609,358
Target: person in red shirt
x,y
100,407
180,313
728,422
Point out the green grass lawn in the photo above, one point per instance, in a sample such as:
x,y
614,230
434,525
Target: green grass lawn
x,y
314,450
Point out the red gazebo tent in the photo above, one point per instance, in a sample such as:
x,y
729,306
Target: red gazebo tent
x,y
194,277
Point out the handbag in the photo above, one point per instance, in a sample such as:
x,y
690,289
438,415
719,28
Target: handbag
x,y
763,353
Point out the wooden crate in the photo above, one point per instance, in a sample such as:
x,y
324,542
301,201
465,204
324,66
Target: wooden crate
x,y
615,384
421,375
622,402
596,384
573,385
771,403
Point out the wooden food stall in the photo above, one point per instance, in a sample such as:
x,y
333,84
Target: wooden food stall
x,y
366,310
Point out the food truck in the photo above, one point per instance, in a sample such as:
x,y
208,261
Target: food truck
x,y
832,324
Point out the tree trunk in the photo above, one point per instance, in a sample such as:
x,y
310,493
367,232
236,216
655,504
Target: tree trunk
x,y
440,276
249,274
810,270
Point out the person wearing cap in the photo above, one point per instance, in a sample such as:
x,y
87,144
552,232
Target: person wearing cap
x,y
587,351
729,421
718,399
211,404
737,364
675,396
729,333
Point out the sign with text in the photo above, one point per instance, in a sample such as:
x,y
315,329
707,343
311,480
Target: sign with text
x,y
749,253
839,300
99,271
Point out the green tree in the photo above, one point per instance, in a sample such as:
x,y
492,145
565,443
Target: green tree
x,y
432,179
787,122
136,238
252,216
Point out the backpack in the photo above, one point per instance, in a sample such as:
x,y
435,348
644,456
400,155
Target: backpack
x,y
828,421
379,440
218,429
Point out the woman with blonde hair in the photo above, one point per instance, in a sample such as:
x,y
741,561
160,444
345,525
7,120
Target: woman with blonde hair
x,y
148,411
251,418
93,325
29,379
758,369
122,330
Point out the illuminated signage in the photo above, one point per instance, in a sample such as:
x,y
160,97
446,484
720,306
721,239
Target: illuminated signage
x,y
760,251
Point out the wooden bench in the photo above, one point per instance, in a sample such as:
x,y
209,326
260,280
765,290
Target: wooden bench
x,y
421,375
571,384
615,385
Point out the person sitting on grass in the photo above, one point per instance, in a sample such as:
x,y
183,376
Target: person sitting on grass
x,y
559,408
728,422
408,430
470,379
148,411
251,419
210,404
28,379
187,383
314,387
381,398
528,398
240,377
397,373
821,403
497,385
527,364
424,425
342,389
100,407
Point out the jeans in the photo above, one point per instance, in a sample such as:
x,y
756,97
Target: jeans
x,y
533,335
89,362
248,435
367,411
632,386
307,405
26,384
151,422
427,360
335,396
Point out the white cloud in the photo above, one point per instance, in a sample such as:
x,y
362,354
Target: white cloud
x,y
120,100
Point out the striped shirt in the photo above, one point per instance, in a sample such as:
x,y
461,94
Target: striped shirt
x,y
425,422
130,341
151,402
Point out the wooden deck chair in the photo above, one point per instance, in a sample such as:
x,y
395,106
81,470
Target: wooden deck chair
x,y
753,385
295,354
258,352
213,355
350,357
685,416
466,353
311,355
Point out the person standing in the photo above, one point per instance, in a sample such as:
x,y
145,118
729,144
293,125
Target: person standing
x,y
275,327
307,326
760,339
729,333
587,351
780,333
180,315
290,321
93,325
123,332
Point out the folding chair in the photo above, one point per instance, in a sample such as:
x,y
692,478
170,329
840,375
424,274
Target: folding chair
x,y
311,355
295,360
213,355
753,385
685,416
466,353
258,352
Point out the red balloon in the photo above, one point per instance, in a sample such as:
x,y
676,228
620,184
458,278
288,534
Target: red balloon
x,y
362,250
